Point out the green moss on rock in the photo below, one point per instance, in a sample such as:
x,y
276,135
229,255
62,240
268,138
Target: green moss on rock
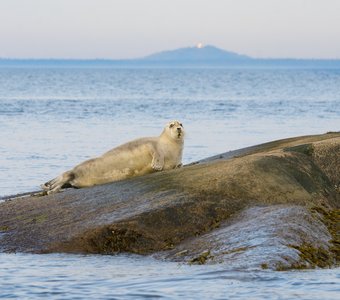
x,y
201,259
331,218
4,228
315,257
306,149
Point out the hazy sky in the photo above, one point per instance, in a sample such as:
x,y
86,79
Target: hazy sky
x,y
135,28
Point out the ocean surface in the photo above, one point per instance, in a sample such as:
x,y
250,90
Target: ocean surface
x,y
52,118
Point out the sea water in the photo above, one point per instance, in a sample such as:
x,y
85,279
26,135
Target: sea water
x,y
61,276
52,118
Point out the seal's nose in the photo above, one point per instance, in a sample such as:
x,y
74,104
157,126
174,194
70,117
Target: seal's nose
x,y
179,129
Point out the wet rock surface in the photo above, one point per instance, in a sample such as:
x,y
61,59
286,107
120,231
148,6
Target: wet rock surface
x,y
274,205
262,237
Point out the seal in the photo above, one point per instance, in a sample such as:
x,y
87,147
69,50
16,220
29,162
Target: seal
x,y
135,158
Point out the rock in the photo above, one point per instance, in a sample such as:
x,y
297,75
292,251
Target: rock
x,y
273,237
274,205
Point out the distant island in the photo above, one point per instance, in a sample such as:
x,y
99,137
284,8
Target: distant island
x,y
197,56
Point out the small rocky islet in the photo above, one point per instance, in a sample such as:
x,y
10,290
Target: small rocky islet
x,y
271,206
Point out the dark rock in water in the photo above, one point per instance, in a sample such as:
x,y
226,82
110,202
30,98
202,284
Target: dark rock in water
x,y
274,205
269,237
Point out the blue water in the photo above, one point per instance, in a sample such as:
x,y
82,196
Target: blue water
x,y
59,276
54,118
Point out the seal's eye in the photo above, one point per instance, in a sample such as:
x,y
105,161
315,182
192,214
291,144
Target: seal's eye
x,y
180,124
171,125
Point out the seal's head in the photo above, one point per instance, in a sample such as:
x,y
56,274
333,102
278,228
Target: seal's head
x,y
175,130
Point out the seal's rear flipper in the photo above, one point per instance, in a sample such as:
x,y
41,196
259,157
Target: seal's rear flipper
x,y
57,183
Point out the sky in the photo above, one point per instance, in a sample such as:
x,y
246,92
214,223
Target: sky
x,y
119,29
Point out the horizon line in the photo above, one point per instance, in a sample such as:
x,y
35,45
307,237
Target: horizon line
x,y
198,46
142,58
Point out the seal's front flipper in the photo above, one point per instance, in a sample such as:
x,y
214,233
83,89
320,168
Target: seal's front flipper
x,y
157,161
